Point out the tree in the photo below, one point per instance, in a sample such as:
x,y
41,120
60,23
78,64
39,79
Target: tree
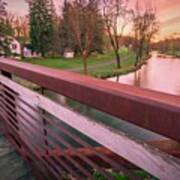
x,y
66,33
145,27
21,28
41,26
5,30
84,19
116,17
55,41
55,47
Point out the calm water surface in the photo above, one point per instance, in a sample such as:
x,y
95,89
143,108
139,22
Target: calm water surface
x,y
160,74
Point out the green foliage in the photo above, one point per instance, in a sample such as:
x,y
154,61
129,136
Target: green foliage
x,y
144,175
116,176
141,174
119,176
5,30
41,26
98,176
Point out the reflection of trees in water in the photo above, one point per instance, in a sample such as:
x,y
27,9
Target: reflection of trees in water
x,y
117,78
137,78
141,77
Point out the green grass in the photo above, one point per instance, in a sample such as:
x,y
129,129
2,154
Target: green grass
x,y
127,64
63,63
98,64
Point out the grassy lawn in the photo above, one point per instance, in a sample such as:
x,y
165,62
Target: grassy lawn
x,y
99,65
63,63
127,64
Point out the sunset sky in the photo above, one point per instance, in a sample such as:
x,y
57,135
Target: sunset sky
x,y
168,12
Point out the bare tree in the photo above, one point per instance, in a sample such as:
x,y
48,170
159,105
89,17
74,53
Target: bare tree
x,y
116,17
83,21
5,30
145,26
21,28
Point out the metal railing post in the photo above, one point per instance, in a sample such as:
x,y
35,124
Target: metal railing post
x,y
44,123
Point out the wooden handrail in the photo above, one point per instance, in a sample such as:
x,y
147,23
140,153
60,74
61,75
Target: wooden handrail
x,y
28,115
155,111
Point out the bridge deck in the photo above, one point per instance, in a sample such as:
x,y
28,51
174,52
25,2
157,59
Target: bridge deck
x,y
12,166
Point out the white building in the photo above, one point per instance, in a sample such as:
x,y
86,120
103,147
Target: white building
x,y
69,53
15,46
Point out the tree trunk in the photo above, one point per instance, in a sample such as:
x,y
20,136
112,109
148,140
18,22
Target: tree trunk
x,y
148,47
85,64
137,59
42,54
139,53
147,50
118,59
22,51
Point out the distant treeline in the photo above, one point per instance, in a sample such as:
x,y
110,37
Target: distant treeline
x,y
168,45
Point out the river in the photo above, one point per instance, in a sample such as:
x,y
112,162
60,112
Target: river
x,y
159,74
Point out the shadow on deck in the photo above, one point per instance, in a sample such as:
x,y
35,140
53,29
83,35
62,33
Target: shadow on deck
x,y
12,166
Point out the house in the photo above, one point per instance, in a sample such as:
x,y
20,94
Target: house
x,y
27,52
11,44
69,53
15,46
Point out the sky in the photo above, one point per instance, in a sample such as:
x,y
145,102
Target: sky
x,y
168,12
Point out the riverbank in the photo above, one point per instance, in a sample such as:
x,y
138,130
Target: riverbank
x,y
123,71
172,54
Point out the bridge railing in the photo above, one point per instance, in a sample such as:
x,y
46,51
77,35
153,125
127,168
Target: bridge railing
x,y
67,143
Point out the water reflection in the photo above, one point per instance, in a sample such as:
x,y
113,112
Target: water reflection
x,y
160,74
